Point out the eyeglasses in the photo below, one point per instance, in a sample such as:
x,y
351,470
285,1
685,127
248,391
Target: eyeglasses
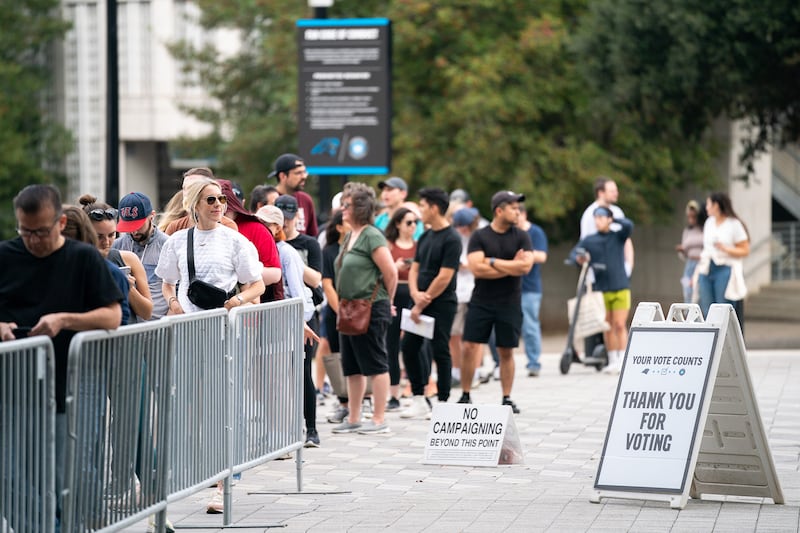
x,y
40,233
103,214
222,199
346,205
410,222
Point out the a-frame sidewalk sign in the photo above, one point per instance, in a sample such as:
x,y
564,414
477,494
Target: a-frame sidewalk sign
x,y
685,422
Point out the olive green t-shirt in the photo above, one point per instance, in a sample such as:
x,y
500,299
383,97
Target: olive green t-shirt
x,y
356,272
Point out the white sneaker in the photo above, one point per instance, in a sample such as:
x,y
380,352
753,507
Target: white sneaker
x,y
419,408
614,364
216,505
151,525
366,408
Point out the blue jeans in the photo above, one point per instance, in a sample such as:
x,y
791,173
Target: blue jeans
x,y
686,280
532,328
712,286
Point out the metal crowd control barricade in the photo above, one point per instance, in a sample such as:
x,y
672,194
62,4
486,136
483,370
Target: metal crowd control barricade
x,y
27,436
119,397
201,433
266,344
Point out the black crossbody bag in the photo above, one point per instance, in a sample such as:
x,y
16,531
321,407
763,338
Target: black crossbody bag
x,y
202,294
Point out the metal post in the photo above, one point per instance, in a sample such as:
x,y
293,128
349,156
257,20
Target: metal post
x,y
112,106
324,190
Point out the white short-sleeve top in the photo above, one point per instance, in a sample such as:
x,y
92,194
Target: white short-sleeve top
x,y
222,257
728,233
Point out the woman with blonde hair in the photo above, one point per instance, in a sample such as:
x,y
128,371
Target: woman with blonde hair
x,y
172,211
223,257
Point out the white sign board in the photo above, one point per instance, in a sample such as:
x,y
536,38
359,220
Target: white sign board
x,y
685,419
472,435
656,413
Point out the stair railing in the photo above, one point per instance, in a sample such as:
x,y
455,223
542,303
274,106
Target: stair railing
x,y
785,251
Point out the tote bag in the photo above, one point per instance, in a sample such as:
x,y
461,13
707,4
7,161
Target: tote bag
x,y
591,314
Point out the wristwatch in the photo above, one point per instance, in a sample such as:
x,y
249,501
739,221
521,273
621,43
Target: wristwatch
x,y
491,261
239,297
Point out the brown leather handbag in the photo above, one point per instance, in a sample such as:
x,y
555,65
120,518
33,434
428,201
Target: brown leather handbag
x,y
354,315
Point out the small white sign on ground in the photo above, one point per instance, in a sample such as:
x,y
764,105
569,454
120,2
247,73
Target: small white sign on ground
x,y
685,419
472,435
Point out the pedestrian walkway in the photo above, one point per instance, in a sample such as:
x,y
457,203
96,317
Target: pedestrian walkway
x,y
359,483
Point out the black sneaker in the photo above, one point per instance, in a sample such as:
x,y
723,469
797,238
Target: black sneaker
x,y
312,438
511,404
393,405
465,398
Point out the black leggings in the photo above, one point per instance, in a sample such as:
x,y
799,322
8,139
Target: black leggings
x,y
402,300
309,392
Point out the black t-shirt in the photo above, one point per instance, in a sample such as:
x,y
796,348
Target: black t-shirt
x,y
308,247
506,290
73,279
329,255
437,250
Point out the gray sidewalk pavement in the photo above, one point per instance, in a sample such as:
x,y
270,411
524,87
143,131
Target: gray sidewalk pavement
x,y
360,483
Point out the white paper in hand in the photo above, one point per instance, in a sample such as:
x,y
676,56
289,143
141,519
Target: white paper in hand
x,y
424,328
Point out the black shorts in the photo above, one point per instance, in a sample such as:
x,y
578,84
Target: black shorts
x,y
366,354
506,321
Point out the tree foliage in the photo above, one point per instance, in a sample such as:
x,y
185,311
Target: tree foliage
x,y
679,64
487,95
31,145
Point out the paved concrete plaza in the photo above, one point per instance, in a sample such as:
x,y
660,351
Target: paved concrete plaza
x,y
359,483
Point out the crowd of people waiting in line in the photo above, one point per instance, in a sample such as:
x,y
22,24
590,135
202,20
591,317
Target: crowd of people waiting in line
x,y
479,279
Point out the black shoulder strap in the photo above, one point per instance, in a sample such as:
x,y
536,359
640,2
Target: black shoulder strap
x,y
190,253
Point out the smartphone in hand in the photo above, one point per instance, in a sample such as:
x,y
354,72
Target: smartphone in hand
x,y
125,270
21,332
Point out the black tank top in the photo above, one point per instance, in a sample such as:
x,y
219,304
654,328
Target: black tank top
x,y
115,257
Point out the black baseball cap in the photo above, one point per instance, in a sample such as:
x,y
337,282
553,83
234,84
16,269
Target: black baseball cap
x,y
506,197
285,163
288,204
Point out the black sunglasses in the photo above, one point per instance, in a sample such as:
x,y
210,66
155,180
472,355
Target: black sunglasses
x,y
411,222
103,214
222,199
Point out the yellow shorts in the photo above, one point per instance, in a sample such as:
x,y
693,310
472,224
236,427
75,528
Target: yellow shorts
x,y
617,300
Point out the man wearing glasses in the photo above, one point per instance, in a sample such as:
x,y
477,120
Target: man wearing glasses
x,y
290,171
53,286
142,237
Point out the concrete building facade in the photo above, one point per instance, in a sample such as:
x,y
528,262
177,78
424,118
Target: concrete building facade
x,y
153,91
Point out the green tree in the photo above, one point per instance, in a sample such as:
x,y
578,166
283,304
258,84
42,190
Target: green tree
x,y
677,65
256,88
487,95
31,145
